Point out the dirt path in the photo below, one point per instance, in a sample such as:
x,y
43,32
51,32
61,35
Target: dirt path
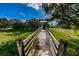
x,y
42,48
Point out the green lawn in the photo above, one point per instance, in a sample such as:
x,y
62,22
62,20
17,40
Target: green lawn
x,y
8,40
71,36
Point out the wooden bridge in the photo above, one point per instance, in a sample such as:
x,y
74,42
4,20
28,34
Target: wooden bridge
x,y
41,43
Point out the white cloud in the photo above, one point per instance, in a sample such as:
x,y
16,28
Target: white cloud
x,y
34,5
22,13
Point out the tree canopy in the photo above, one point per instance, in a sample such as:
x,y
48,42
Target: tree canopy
x,y
66,12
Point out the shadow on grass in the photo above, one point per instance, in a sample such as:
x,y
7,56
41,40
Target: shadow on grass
x,y
9,49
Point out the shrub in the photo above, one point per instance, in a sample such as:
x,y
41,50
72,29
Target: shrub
x,y
71,52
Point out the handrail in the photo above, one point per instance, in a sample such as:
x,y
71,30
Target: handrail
x,y
25,45
53,43
54,39
56,45
31,36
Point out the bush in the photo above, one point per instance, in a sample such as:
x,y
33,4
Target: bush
x,y
71,52
34,24
45,25
18,25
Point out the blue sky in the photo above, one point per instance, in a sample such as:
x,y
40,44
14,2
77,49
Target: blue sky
x,y
21,11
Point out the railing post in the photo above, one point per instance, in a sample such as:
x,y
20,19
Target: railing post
x,y
20,47
59,47
63,45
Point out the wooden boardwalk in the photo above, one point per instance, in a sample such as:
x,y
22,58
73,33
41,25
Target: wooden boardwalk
x,y
41,43
42,48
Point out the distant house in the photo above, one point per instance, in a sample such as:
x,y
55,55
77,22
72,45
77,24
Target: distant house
x,y
53,23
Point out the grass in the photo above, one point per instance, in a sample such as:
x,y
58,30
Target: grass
x,y
8,40
71,36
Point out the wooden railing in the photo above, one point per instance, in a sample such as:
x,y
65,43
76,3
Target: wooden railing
x,y
27,46
58,48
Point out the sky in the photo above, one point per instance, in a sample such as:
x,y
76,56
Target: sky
x,y
21,11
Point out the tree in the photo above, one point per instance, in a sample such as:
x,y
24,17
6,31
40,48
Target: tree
x,y
68,13
34,23
3,23
17,24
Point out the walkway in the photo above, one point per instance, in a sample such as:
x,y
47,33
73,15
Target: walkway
x,y
42,48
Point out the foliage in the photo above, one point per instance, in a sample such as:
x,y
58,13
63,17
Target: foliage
x,y
18,24
3,23
46,25
13,29
71,52
8,39
67,13
34,24
70,36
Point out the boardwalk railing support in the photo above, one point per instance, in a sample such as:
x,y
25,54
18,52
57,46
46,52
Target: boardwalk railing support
x,y
20,47
63,45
